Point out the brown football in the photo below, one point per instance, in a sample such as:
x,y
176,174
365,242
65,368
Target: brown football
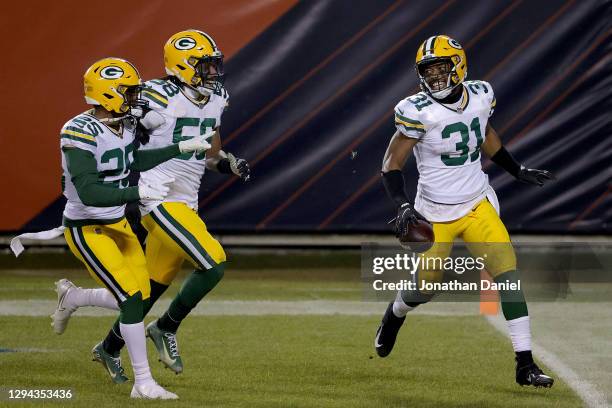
x,y
419,238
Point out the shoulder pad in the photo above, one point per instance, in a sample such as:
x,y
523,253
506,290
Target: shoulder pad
x,y
479,88
222,93
158,91
482,89
409,113
83,129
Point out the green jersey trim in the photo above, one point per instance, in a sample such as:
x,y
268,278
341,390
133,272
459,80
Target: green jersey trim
x,y
68,134
409,124
154,96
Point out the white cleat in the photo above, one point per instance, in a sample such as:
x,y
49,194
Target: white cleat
x,y
62,313
151,390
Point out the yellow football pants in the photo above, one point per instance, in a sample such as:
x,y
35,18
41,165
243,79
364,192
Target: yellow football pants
x,y
113,256
177,233
485,236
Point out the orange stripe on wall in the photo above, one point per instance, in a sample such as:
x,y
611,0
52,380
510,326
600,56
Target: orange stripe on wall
x,y
47,47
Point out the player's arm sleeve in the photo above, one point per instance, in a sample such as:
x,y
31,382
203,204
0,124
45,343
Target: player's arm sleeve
x,y
489,92
76,138
225,96
223,103
394,185
83,171
407,126
153,118
156,99
147,159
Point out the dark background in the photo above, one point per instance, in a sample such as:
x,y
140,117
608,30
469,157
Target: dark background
x,y
312,94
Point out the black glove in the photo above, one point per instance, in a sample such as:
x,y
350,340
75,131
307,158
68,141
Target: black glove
x,y
232,164
534,176
406,216
239,167
505,160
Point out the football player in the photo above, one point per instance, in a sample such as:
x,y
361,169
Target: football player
x,y
97,149
446,126
188,103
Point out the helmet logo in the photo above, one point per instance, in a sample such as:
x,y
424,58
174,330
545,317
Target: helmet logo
x,y
111,72
185,43
454,44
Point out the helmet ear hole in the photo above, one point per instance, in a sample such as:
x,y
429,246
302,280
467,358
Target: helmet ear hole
x,y
109,96
182,68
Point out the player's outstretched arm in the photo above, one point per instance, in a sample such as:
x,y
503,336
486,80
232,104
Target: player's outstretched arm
x,y
494,148
397,153
84,174
147,159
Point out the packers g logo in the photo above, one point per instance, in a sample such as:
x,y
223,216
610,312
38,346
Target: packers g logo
x,y
111,72
185,43
454,44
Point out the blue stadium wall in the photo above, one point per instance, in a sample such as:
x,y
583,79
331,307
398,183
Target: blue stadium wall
x,y
312,98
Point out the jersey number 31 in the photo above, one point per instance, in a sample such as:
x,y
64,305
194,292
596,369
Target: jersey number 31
x,y
462,147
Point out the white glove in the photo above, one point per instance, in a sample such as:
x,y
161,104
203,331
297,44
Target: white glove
x,y
196,144
157,191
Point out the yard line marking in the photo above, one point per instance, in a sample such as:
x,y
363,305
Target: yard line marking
x,y
39,307
591,396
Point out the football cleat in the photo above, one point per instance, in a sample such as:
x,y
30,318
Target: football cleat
x,y
530,374
111,363
165,343
151,390
387,332
62,312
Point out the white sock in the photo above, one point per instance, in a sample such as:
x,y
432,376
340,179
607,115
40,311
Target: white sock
x,y
134,336
79,297
520,333
400,308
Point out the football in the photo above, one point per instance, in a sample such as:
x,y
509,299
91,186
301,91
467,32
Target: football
x,y
307,196
419,237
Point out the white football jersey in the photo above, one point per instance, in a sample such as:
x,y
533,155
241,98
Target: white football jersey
x,y
182,119
114,152
448,151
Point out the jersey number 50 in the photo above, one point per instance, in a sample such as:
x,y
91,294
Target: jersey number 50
x,y
177,134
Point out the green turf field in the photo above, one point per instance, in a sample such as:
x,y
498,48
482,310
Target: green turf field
x,y
275,360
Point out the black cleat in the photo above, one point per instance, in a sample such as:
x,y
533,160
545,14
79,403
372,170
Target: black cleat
x,y
387,332
530,374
